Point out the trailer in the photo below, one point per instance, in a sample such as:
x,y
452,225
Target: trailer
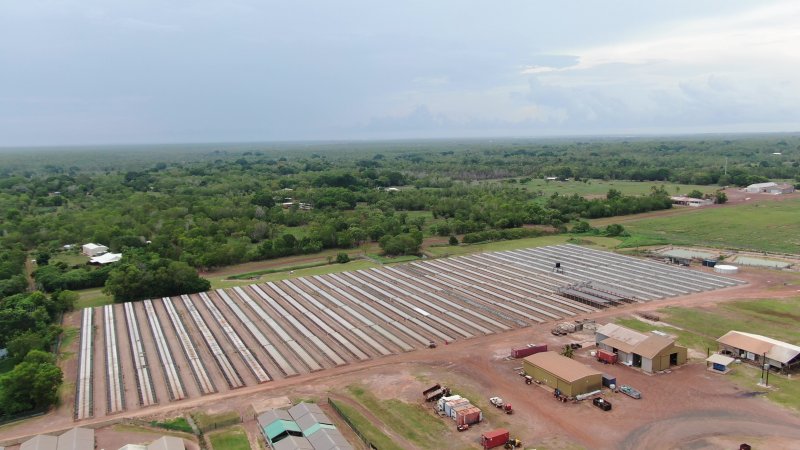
x,y
602,404
494,438
606,357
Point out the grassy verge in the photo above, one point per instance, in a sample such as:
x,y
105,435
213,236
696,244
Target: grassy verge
x,y
234,438
448,250
365,427
412,422
92,297
763,226
209,422
257,273
176,424
781,390
396,259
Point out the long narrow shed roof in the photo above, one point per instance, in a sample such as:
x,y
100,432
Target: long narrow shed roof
x,y
77,439
565,368
167,443
267,417
293,443
326,439
755,343
301,409
40,442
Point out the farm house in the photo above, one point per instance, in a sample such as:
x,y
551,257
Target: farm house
x,y
303,426
650,352
559,372
757,349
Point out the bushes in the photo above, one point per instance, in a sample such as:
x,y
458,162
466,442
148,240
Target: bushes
x,y
499,235
58,277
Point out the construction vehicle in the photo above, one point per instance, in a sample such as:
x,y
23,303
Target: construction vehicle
x,y
528,379
463,427
431,344
435,392
513,443
500,404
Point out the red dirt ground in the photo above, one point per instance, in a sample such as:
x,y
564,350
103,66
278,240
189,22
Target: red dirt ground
x,y
689,407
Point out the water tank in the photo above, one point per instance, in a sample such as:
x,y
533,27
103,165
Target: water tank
x,y
725,268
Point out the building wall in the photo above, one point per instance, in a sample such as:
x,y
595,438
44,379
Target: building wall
x,y
661,360
581,386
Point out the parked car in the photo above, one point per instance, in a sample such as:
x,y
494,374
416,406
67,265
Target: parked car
x,y
602,404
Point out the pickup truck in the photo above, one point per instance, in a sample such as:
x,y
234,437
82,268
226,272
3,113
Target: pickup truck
x,y
630,392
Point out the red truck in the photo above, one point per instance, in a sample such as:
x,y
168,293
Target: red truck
x,y
494,438
606,356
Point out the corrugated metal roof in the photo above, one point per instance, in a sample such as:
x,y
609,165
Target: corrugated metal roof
x,y
167,443
620,333
293,443
776,350
619,345
326,439
266,418
77,439
651,346
716,358
40,442
279,426
565,368
301,409
310,419
762,185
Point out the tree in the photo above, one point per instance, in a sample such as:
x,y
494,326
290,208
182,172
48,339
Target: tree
x,y
695,194
721,197
582,227
33,383
568,351
453,240
142,275
615,229
23,343
342,258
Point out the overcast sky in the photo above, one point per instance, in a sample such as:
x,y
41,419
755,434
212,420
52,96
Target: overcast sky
x,y
146,71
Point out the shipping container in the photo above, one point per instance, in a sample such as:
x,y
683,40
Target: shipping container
x,y
443,400
608,380
448,406
469,416
529,350
709,262
494,438
606,356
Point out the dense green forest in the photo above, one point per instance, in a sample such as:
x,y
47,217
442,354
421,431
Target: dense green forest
x,y
174,210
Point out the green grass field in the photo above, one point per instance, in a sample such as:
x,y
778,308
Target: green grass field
x,y
601,187
411,421
393,260
463,249
234,438
772,226
222,281
367,428
92,297
699,329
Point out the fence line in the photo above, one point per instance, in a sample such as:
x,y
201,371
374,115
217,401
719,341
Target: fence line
x,y
344,417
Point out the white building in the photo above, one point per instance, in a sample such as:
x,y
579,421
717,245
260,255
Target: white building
x,y
770,188
106,258
91,249
758,349
691,201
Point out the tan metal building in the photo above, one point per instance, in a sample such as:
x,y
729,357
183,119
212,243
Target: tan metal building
x,y
559,372
651,352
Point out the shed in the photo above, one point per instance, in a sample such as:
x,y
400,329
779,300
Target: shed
x,y
329,440
301,409
719,363
40,442
106,258
651,352
559,372
293,443
167,443
270,416
759,349
77,439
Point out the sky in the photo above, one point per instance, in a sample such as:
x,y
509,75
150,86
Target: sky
x,y
75,72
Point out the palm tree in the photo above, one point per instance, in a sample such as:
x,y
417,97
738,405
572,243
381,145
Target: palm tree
x,y
568,351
